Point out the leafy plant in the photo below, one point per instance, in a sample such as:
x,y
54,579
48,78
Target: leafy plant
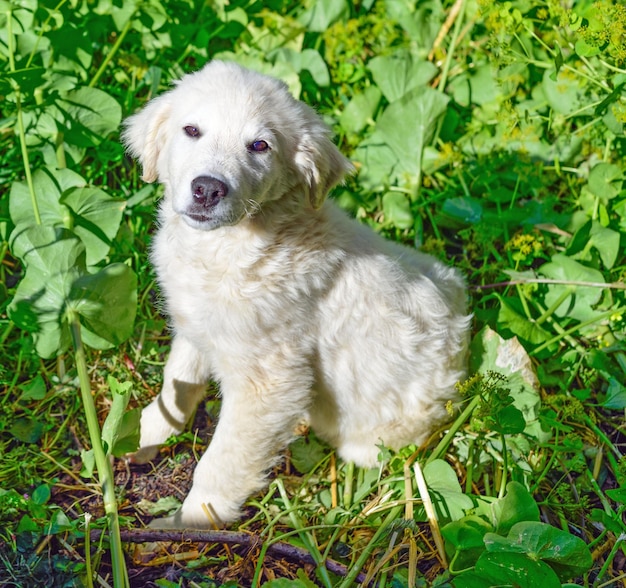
x,y
488,133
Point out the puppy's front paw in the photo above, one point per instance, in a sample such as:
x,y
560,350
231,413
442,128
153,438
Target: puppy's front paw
x,y
143,454
198,514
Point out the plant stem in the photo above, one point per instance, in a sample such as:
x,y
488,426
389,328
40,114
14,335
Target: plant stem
x,y
103,465
348,581
109,57
458,423
305,536
20,121
575,328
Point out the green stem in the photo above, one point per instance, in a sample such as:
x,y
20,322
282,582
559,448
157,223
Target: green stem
x,y
609,560
350,578
567,292
306,538
505,467
109,57
575,328
103,465
442,447
20,121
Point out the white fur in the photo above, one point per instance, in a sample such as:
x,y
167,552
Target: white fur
x,y
295,309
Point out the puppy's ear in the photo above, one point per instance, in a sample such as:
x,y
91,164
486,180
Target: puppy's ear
x,y
320,163
143,134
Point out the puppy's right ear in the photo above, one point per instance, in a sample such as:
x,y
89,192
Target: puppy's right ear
x,y
144,134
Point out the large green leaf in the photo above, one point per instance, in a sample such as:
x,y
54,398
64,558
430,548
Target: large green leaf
x,y
306,59
106,302
490,352
508,570
324,13
397,210
65,202
516,506
464,540
447,496
577,300
399,73
510,317
48,185
54,259
360,110
96,221
95,110
56,280
409,124
566,554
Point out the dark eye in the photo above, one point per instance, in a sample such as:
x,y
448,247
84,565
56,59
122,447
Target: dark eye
x,y
191,131
259,146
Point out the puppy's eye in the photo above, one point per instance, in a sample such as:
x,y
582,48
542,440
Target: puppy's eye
x,y
259,146
191,131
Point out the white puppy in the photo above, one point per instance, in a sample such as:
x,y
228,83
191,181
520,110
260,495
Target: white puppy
x,y
298,311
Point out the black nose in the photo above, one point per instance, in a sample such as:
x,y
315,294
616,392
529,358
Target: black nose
x,y
207,191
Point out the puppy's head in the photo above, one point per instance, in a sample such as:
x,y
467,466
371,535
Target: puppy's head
x,y
226,139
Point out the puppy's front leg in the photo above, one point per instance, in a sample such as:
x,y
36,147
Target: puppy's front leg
x,y
184,381
256,423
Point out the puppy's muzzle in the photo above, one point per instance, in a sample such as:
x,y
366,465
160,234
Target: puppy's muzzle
x,y
208,191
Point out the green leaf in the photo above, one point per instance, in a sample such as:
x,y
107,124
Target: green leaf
x,y
516,506
48,185
286,583
307,59
490,352
563,91
397,210
464,540
41,494
54,259
95,110
505,570
112,427
34,390
164,505
89,463
464,208
65,202
324,13
27,430
97,218
566,554
509,318
448,498
605,180
577,301
106,302
306,453
399,73
509,421
615,396
360,110
408,125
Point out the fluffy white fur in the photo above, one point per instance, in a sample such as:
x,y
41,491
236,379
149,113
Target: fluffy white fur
x,y
298,311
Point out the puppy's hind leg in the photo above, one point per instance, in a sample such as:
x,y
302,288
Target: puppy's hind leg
x,y
184,382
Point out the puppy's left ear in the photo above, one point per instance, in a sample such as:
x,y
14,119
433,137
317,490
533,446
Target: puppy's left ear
x,y
320,163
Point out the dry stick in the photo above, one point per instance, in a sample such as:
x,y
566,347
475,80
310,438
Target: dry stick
x,y
277,549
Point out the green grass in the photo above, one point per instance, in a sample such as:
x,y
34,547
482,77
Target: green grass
x,y
490,134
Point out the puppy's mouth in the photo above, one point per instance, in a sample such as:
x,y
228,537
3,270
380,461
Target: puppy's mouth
x,y
207,220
